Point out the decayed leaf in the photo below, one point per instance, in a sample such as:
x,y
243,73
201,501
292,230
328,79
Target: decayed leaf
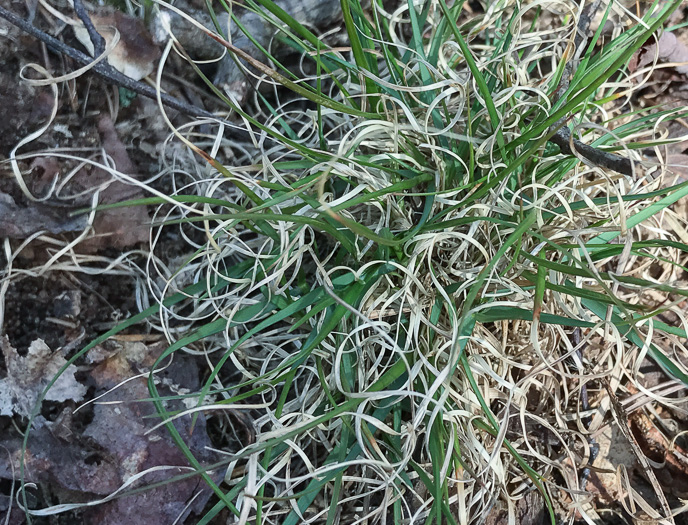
x,y
28,376
20,222
667,49
119,227
122,430
84,457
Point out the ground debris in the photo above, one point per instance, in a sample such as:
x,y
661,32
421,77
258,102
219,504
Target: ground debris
x,y
530,510
122,429
670,460
20,222
667,49
118,227
28,376
135,54
232,74
90,453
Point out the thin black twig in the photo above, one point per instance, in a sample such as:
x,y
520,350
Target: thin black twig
x,y
579,41
96,38
562,137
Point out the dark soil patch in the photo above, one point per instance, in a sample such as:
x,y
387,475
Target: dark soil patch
x,y
61,306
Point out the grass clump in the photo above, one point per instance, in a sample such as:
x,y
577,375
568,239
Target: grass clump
x,y
407,276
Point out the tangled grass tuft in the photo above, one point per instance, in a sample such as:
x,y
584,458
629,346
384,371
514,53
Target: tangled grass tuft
x,y
409,278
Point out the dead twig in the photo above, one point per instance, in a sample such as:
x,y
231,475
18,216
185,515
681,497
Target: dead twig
x,y
582,27
562,137
96,39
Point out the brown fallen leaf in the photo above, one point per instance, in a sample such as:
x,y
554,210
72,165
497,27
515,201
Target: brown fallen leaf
x,y
123,431
135,54
58,456
28,376
667,49
119,227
